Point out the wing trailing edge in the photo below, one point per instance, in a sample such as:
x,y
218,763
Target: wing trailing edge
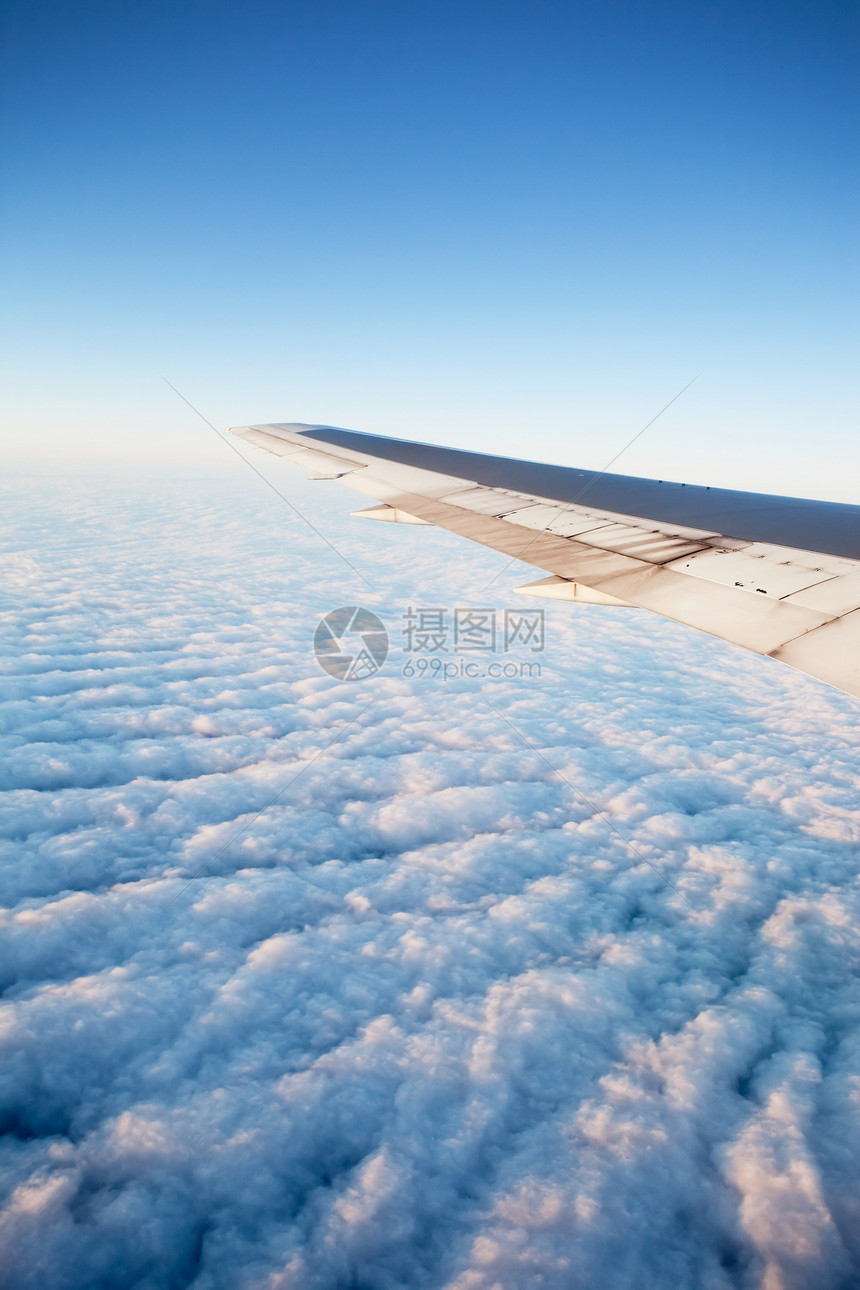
x,y
779,576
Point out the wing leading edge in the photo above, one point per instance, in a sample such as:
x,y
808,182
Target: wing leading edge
x,y
778,575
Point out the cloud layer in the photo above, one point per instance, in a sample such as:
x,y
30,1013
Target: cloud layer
x,y
466,985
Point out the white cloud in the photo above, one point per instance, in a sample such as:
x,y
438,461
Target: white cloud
x,y
431,1017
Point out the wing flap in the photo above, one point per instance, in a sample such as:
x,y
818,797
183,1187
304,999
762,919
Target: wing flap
x,y
832,653
798,604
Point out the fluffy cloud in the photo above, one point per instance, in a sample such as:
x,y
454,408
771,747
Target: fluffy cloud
x,y
311,984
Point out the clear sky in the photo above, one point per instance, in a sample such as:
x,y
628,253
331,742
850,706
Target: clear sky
x,y
517,227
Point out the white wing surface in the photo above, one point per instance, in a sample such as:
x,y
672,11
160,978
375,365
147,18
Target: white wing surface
x,y
778,575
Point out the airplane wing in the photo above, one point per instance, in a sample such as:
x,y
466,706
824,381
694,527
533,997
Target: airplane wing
x,y
778,575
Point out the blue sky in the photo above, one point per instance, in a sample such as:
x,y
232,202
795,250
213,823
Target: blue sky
x,y
514,227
